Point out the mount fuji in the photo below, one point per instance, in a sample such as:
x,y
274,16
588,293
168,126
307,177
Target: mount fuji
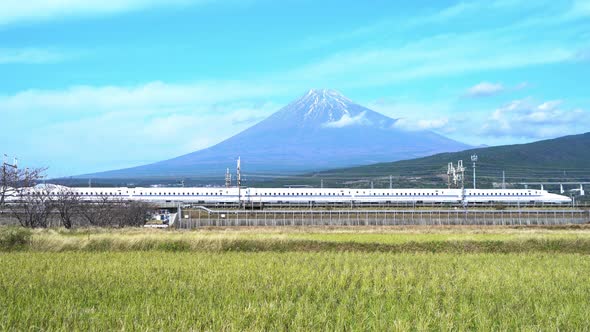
x,y
321,130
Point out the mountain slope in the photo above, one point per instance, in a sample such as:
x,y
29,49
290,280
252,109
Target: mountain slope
x,y
321,130
564,158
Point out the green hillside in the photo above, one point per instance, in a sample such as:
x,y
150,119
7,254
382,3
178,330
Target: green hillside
x,y
560,159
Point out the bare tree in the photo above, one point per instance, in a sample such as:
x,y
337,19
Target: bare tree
x,y
33,208
13,179
101,211
68,204
134,214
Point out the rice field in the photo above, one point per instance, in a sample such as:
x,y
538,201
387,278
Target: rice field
x,y
297,279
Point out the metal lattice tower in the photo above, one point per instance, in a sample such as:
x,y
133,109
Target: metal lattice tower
x,y
227,178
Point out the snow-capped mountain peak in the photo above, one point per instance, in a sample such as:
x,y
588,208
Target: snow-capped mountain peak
x,y
326,108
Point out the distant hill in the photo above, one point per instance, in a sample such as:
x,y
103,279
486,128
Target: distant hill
x,y
319,131
560,159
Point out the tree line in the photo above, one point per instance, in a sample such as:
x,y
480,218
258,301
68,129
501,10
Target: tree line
x,y
34,205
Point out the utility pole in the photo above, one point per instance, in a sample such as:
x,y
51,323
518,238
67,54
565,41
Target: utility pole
x,y
503,180
474,160
4,181
390,182
322,183
4,177
371,184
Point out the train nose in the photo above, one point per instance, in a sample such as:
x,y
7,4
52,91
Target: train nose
x,y
560,198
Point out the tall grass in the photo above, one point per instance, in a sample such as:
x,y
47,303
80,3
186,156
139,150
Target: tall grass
x,y
389,240
293,291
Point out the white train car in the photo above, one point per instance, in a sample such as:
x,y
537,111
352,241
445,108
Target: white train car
x,y
319,196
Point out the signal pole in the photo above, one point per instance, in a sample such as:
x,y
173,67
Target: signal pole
x,y
474,160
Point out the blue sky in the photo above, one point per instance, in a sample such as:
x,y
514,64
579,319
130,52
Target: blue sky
x,y
91,85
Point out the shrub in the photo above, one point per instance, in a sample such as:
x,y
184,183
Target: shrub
x,y
14,238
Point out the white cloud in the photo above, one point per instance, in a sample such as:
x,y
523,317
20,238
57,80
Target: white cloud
x,y
422,124
31,56
549,105
522,118
433,56
395,51
153,95
414,115
14,11
485,89
111,127
347,120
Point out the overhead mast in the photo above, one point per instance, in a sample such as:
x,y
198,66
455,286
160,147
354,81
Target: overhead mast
x,y
239,174
239,182
474,160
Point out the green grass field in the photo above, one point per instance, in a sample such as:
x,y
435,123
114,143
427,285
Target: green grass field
x,y
296,279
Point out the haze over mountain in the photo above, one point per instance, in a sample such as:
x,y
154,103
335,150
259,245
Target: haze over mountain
x,y
321,130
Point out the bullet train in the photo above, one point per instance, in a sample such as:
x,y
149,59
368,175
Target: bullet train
x,y
314,195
